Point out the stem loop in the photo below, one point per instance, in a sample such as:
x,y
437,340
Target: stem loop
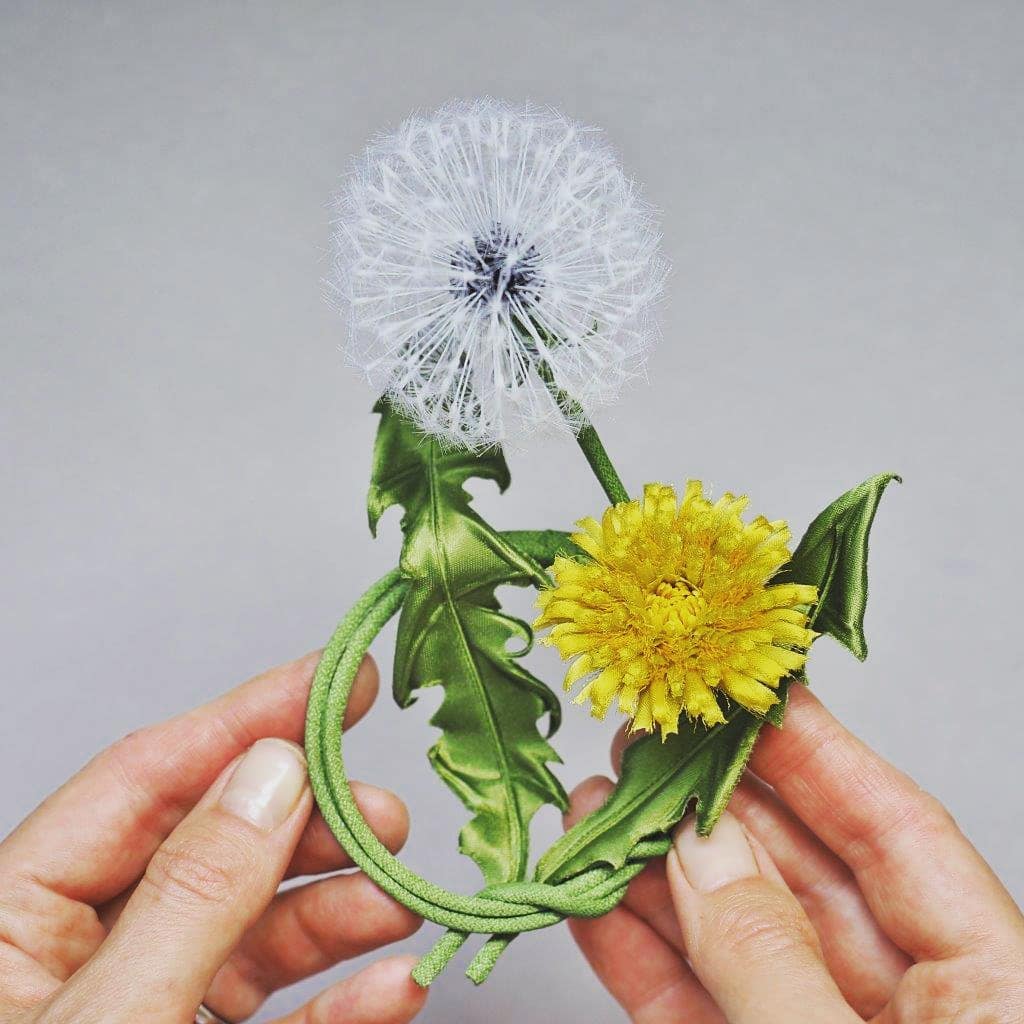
x,y
501,910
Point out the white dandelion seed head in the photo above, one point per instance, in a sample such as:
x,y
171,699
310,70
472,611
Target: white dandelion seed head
x,y
486,242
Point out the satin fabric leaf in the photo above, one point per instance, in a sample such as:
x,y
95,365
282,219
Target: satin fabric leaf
x,y
660,779
452,633
657,783
833,555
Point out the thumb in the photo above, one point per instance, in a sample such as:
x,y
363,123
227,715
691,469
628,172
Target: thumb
x,y
208,882
747,937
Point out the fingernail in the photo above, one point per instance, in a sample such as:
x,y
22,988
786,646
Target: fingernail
x,y
710,862
267,784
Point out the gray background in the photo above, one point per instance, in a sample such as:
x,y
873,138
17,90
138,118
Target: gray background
x,y
185,455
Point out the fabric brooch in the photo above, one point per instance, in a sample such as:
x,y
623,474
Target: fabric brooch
x,y
500,273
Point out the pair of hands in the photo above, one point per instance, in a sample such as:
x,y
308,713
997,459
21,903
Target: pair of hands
x,y
835,891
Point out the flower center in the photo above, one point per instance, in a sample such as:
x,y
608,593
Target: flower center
x,y
495,267
674,605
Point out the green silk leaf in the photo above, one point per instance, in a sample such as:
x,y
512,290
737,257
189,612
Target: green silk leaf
x,y
659,779
543,546
833,555
452,633
657,783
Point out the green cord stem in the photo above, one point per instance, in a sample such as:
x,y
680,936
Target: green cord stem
x,y
597,457
501,910
593,450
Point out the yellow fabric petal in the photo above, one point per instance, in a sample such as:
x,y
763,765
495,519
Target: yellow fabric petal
x,y
749,692
674,606
580,668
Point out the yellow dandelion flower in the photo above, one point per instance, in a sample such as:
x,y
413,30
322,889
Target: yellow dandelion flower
x,y
675,606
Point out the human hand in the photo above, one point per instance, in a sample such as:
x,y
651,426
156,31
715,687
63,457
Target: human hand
x,y
836,890
148,883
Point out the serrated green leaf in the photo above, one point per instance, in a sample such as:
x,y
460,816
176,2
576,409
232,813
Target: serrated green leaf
x,y
544,546
452,633
659,779
833,555
658,782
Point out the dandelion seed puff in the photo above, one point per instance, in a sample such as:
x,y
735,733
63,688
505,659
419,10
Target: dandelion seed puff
x,y
484,248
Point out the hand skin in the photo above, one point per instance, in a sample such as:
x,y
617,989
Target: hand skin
x,y
149,882
835,891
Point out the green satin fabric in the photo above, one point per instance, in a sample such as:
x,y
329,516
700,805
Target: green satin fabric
x,y
505,908
586,872
453,633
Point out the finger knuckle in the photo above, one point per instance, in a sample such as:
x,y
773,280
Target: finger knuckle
x,y
192,870
921,820
931,817
755,920
903,814
130,752
933,993
129,762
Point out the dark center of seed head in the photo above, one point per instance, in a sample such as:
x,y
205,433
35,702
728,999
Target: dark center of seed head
x,y
495,265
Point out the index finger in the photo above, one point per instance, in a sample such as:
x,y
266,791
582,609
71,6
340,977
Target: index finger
x,y
94,836
928,887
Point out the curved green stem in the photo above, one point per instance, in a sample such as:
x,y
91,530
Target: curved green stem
x,y
593,450
500,910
